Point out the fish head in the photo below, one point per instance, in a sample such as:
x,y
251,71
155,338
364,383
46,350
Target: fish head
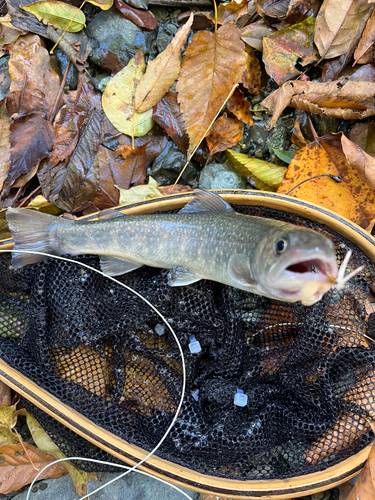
x,y
296,264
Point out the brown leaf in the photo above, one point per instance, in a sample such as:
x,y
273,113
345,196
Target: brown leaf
x,y
31,139
4,145
161,72
229,12
338,29
252,75
109,61
340,99
142,18
173,189
363,134
137,159
297,136
285,48
224,134
254,34
212,63
360,160
168,116
364,488
17,470
240,108
345,489
367,39
285,12
28,57
110,164
351,198
363,73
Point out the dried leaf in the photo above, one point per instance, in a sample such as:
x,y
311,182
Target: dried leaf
x,y
45,443
367,39
173,189
240,108
363,134
17,470
338,30
359,159
29,57
254,34
285,48
58,14
212,63
340,99
161,72
8,419
142,18
139,193
269,173
71,185
118,99
4,145
224,133
252,76
351,198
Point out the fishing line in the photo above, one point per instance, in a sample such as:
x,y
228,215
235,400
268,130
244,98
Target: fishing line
x,y
130,469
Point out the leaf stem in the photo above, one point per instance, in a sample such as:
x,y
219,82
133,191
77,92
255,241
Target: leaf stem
x,y
66,29
336,178
215,8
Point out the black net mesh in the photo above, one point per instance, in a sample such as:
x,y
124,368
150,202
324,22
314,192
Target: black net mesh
x,y
308,372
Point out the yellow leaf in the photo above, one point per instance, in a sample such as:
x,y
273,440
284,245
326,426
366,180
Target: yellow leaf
x,y
58,14
43,205
269,173
161,72
103,4
118,100
7,415
45,443
139,193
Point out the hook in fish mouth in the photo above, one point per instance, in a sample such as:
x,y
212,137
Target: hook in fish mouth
x,y
341,279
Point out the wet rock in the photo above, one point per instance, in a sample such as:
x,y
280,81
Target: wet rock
x,y
221,176
165,36
4,77
111,32
168,165
72,78
278,139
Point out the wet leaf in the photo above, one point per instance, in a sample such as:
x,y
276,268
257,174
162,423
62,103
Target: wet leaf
x,y
254,34
139,193
4,145
161,72
338,30
29,57
229,12
363,134
118,100
31,139
283,49
142,18
366,41
110,170
351,198
45,443
137,159
17,470
103,4
297,136
269,173
283,12
212,63
340,99
8,35
224,133
252,76
71,185
41,204
58,14
240,108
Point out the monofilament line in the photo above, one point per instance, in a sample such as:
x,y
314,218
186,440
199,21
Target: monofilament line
x,y
129,469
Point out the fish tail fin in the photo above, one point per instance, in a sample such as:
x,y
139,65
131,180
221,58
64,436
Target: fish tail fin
x,y
31,231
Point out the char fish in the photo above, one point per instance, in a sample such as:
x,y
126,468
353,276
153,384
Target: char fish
x,y
207,239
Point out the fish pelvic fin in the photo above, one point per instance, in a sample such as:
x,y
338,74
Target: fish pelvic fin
x,y
31,231
115,267
204,201
179,276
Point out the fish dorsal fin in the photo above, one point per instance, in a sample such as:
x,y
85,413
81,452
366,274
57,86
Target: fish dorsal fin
x,y
204,201
116,267
109,213
239,270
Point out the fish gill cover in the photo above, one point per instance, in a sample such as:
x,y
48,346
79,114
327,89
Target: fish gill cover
x,y
308,372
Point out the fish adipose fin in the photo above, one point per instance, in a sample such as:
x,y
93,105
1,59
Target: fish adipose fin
x,y
204,201
179,276
239,270
30,230
115,267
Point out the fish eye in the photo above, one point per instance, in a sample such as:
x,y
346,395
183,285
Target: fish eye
x,y
281,246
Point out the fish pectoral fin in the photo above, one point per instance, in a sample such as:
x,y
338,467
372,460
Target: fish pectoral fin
x,y
179,276
114,267
239,270
204,201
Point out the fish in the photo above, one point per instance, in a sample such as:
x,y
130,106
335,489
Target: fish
x,y
206,239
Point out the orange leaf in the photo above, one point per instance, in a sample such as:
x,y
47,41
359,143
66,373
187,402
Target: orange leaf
x,y
16,469
240,108
212,65
224,134
161,72
173,189
367,39
351,198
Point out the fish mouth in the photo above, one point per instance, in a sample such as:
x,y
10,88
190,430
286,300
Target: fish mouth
x,y
313,266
